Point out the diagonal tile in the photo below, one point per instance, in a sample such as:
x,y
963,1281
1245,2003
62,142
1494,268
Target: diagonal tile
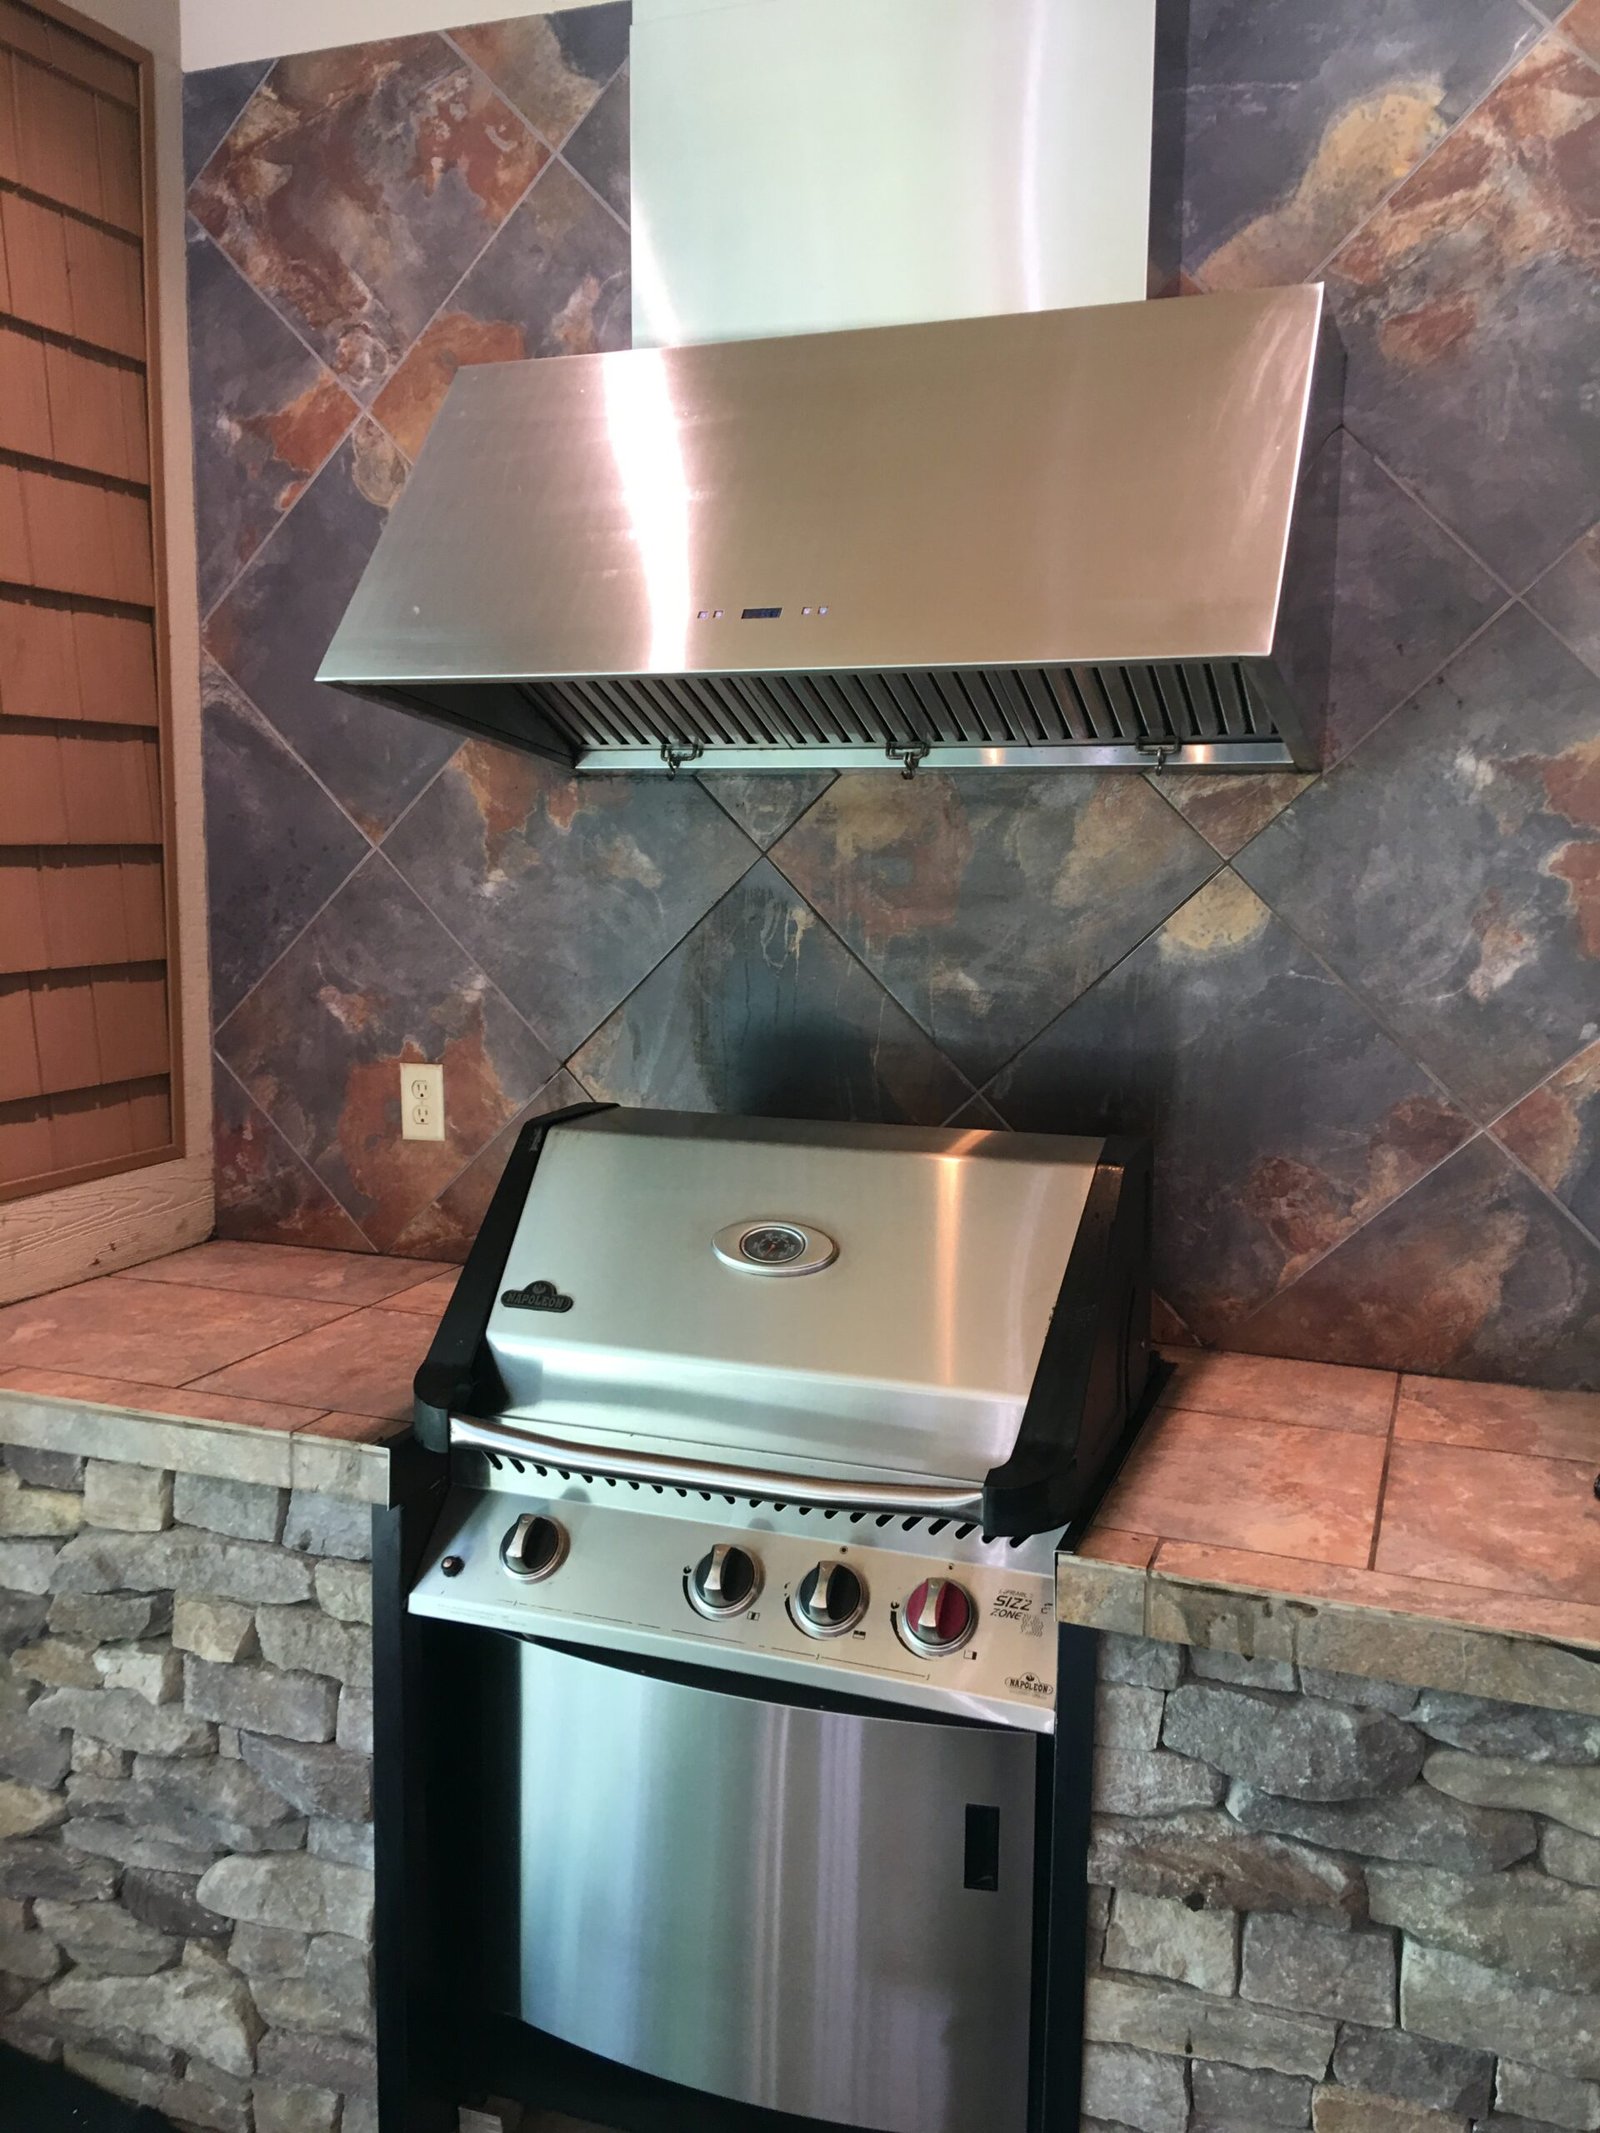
x,y
1478,272
267,415
271,631
763,1010
276,846
212,99
446,1227
1229,810
552,67
358,187
265,1192
1568,596
1555,1131
554,281
374,982
598,151
986,901
1301,119
1450,868
567,890
1406,596
1473,1273
1502,1520
1282,1117
765,803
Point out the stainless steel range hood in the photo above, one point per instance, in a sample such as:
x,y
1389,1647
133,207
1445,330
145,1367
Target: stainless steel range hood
x,y
1075,538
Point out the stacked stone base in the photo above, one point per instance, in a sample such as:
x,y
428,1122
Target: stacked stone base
x,y
186,1790
1329,1902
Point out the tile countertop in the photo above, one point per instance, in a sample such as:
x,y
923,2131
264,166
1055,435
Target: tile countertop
x,y
1353,1519
295,1364
1427,1530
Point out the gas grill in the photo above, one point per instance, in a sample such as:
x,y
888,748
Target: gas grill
x,y
763,1438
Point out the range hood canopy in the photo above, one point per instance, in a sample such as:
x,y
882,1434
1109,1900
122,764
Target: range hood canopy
x,y
1087,538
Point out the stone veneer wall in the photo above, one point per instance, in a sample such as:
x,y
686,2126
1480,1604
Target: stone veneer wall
x,y
185,1791
1321,1900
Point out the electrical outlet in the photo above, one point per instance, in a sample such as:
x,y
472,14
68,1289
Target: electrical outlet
x,y
422,1103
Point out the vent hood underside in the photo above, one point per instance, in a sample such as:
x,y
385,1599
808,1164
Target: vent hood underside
x,y
1055,538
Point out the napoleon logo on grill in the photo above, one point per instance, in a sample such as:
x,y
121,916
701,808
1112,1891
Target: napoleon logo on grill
x,y
537,1296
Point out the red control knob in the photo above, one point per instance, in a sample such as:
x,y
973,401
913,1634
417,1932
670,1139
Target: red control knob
x,y
938,1617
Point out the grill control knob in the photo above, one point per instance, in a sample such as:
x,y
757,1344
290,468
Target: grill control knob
x,y
724,1582
535,1548
829,1600
938,1617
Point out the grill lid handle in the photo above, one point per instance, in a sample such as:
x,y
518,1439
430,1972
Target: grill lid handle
x,y
951,1498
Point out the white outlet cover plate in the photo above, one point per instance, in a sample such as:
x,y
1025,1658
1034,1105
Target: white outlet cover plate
x,y
421,1102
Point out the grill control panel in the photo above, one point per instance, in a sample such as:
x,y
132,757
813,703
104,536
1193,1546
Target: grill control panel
x,y
912,1610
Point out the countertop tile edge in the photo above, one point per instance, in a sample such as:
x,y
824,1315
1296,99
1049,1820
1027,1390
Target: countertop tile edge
x,y
223,1451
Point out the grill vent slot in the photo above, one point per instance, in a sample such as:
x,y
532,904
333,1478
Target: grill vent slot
x,y
1107,711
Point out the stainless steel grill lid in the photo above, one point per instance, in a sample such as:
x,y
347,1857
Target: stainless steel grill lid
x,y
868,1302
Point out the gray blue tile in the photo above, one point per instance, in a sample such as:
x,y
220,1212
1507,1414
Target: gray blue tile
x,y
1281,1115
1449,870
763,1010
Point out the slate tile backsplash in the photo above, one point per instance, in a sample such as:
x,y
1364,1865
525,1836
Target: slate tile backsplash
x,y
1360,1013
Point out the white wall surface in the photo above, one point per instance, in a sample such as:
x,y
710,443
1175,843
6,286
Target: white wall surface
x,y
218,32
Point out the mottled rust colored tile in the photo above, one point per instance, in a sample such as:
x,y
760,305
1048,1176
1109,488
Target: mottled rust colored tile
x,y
271,631
373,982
1478,272
152,1332
1497,1519
362,1366
446,1227
1472,1273
276,845
986,901
1450,869
1499,1418
1260,1388
763,1010
766,803
1582,25
354,1279
267,415
357,1429
555,281
357,188
567,890
180,1403
1555,1131
1568,596
1300,119
1283,1117
1229,810
1260,1485
264,1190
552,67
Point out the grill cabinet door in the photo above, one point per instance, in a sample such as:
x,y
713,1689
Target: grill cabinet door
x,y
786,1906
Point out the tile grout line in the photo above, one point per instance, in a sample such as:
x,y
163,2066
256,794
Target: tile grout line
x,y
1543,29
558,149
278,1134
268,69
1383,1475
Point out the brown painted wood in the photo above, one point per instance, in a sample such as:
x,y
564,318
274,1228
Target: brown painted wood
x,y
88,920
